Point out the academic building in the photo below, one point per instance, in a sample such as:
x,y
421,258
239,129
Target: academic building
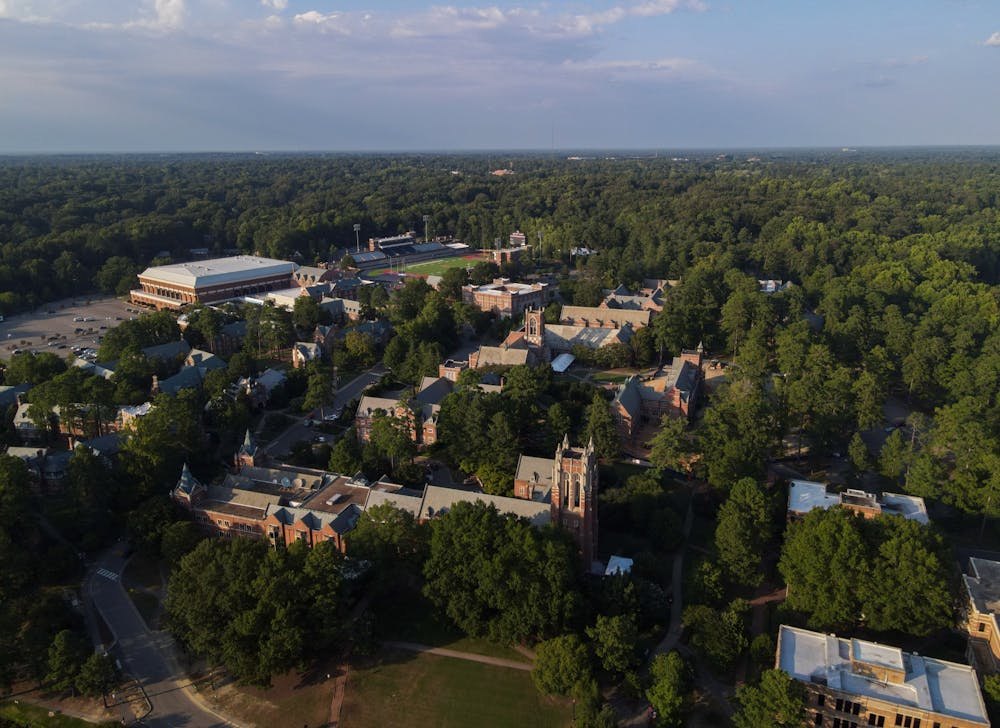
x,y
211,281
506,299
852,683
982,603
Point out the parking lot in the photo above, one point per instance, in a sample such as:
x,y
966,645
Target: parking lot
x,y
58,327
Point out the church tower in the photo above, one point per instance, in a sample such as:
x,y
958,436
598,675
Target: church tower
x,y
534,327
247,454
574,496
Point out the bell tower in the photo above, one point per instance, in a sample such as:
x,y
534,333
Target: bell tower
x,y
534,327
574,496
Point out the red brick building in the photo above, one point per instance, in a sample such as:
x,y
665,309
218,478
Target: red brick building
x,y
506,299
209,281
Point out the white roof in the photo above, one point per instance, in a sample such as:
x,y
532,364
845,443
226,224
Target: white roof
x,y
618,565
907,506
562,362
804,495
213,272
946,688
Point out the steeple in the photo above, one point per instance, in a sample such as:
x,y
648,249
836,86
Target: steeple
x,y
247,454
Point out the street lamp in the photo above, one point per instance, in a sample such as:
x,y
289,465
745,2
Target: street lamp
x,y
427,219
357,239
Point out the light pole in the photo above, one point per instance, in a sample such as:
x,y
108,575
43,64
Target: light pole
x,y
357,239
427,219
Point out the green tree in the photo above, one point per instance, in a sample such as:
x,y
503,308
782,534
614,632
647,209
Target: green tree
x,y
498,576
601,428
558,425
823,560
561,663
718,635
305,314
97,676
614,640
857,451
391,538
777,700
744,530
670,447
178,540
67,655
670,680
451,283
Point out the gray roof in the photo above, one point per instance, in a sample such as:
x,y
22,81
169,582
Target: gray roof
x,y
404,500
169,350
433,390
235,330
498,356
437,501
563,337
368,405
206,359
218,271
187,482
8,395
629,397
614,317
186,378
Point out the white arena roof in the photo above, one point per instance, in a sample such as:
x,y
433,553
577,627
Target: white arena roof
x,y
205,273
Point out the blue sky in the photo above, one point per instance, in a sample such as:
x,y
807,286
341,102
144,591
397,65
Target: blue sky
x,y
196,75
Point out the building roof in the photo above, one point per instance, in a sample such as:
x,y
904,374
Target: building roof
x,y
618,565
308,350
170,350
437,501
562,362
629,398
983,586
218,271
503,286
537,471
205,360
499,356
404,500
8,395
271,378
805,495
609,317
565,336
369,405
433,389
186,378
946,688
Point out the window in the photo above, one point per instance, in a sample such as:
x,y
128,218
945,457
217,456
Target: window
x,y
818,719
820,699
908,722
856,709
982,627
840,704
899,719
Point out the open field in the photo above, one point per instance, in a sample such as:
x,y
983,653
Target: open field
x,y
437,267
31,331
406,689
293,699
23,713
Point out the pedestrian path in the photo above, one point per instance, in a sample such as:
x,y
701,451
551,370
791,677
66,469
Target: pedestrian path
x,y
470,656
107,574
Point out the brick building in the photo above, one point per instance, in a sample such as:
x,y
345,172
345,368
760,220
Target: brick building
x,y
506,299
210,281
673,391
979,614
418,413
852,683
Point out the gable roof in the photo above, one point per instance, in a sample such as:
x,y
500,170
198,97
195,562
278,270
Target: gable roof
x,y
438,501
499,356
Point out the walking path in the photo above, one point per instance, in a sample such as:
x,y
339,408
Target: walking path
x,y
673,635
470,656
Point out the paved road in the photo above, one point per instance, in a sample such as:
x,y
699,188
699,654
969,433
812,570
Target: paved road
x,y
145,655
298,431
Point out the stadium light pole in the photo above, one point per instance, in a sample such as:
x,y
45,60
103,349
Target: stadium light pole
x,y
357,239
427,219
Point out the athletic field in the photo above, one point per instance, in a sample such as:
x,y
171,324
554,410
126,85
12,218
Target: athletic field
x,y
437,267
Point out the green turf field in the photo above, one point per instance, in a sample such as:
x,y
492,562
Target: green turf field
x,y
410,689
437,267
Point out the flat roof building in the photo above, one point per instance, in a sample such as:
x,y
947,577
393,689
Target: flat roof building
x,y
209,281
982,604
852,682
507,299
805,495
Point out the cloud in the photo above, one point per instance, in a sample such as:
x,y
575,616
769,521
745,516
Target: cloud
x,y
322,21
674,69
275,4
167,15
993,40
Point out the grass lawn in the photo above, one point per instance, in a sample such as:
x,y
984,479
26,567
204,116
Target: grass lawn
x,y
148,606
410,618
406,689
294,699
142,572
32,715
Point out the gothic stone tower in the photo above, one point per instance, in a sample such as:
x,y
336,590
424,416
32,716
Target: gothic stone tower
x,y
574,496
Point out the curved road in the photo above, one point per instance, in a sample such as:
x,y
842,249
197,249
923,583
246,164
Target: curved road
x,y
145,655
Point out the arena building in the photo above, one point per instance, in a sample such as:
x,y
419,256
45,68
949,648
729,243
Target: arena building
x,y
210,281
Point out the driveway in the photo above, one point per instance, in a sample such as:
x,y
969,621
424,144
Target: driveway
x,y
146,656
297,432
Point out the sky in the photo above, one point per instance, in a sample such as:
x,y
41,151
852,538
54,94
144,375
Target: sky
x,y
389,75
